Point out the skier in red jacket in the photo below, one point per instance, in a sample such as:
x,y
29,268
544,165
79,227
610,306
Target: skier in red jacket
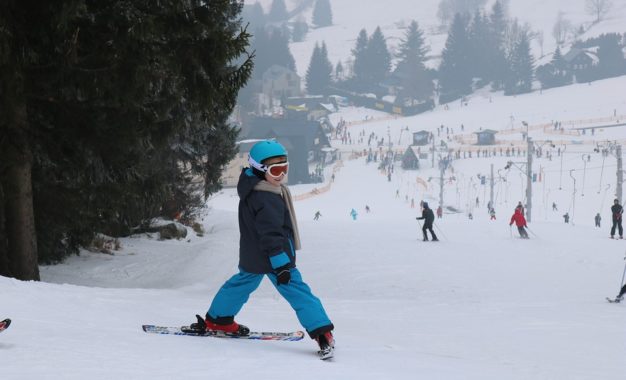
x,y
520,222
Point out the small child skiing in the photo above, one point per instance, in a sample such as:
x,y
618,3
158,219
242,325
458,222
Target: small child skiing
x,y
566,217
268,244
317,215
520,222
492,214
353,214
597,219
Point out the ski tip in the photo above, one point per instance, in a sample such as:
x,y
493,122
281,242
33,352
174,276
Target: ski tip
x,y
6,322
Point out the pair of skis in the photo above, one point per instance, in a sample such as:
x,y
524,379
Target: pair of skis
x,y
253,335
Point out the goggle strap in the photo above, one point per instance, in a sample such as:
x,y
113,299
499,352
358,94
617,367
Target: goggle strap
x,y
256,165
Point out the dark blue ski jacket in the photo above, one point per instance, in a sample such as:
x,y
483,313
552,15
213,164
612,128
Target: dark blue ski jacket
x,y
266,241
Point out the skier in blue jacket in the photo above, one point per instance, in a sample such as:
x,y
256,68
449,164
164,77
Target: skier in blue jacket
x,y
267,247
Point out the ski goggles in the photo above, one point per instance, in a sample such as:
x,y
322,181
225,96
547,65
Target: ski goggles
x,y
278,169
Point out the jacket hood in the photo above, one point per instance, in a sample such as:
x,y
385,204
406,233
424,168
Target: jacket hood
x,y
247,182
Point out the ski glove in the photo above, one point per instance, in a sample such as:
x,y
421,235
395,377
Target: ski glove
x,y
283,275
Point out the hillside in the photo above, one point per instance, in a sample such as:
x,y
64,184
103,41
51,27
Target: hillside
x,y
480,304
350,16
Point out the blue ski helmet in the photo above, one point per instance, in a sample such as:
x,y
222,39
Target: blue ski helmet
x,y
263,150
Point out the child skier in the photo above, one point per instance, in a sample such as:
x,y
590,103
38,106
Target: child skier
x,y
520,222
268,244
353,214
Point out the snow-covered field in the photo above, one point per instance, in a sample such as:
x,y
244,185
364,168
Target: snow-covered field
x,y
480,304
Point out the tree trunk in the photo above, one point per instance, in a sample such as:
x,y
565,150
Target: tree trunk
x,y
18,199
15,151
4,257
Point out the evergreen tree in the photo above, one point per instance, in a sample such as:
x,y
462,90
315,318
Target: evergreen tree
x,y
318,75
322,13
271,47
254,15
378,58
416,83
278,11
610,56
360,59
555,73
339,71
480,49
522,67
562,76
131,103
496,62
455,78
300,30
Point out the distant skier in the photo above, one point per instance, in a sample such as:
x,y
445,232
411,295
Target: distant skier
x,y
470,216
317,215
520,222
353,214
597,219
439,212
429,217
492,214
521,207
566,217
554,207
367,209
617,210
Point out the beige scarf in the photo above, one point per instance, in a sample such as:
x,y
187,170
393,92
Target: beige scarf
x,y
286,194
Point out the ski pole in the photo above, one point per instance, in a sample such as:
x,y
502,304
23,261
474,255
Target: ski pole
x,y
419,224
440,231
623,275
531,231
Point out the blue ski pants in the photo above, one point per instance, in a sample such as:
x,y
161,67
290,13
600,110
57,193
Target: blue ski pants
x,y
235,293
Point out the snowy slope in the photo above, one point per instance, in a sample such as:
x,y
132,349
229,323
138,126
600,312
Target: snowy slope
x,y
481,304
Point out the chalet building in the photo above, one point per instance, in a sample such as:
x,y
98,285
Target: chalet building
x,y
421,138
410,158
580,59
280,82
486,137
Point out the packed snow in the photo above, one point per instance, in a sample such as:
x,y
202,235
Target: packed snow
x,y
479,304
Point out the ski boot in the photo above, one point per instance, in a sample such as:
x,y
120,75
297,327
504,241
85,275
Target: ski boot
x,y
326,341
203,326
